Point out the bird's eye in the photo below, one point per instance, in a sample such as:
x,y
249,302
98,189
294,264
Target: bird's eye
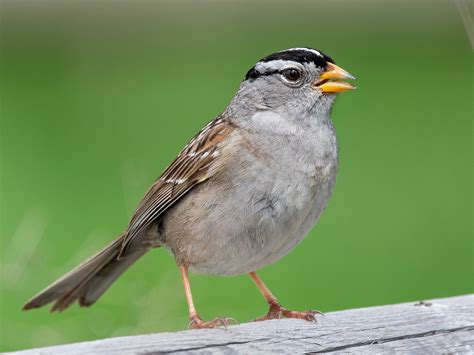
x,y
291,74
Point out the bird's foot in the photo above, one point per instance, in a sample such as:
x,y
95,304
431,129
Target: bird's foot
x,y
278,312
197,323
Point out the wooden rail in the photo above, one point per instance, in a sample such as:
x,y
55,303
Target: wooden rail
x,y
429,327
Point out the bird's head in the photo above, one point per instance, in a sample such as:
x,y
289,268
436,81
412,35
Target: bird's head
x,y
296,79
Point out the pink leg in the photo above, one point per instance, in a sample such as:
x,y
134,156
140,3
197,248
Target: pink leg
x,y
195,321
276,311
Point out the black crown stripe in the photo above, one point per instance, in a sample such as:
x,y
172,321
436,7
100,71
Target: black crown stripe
x,y
295,55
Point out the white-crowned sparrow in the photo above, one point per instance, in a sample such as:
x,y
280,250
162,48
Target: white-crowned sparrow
x,y
243,192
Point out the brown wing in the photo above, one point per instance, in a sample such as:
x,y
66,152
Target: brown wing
x,y
191,167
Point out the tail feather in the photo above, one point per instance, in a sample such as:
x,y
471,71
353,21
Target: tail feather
x,y
87,282
104,278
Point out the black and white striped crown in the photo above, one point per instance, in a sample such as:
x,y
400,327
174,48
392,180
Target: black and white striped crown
x,y
272,63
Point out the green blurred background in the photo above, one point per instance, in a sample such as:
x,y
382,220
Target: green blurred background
x,y
98,97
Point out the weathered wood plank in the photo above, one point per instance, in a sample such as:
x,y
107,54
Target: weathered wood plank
x,y
457,342
437,326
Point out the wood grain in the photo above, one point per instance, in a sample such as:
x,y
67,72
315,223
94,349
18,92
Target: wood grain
x,y
432,327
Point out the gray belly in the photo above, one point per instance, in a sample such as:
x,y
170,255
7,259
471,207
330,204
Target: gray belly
x,y
237,228
256,211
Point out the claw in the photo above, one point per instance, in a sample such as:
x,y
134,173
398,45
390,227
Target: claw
x,y
197,323
278,312
231,321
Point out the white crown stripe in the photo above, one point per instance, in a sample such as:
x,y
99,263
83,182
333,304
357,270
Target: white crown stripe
x,y
278,61
314,51
273,65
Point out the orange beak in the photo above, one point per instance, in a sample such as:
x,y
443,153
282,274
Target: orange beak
x,y
327,81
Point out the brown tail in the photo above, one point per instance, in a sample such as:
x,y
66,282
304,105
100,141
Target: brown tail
x,y
87,282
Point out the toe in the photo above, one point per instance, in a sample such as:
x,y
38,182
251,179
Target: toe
x,y
198,323
278,312
310,316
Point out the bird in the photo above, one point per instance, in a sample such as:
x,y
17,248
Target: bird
x,y
241,194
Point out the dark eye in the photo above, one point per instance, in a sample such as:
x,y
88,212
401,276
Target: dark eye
x,y
291,74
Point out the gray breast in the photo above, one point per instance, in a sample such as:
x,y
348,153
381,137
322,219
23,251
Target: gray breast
x,y
259,208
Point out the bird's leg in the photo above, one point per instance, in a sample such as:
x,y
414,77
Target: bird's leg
x,y
195,322
276,311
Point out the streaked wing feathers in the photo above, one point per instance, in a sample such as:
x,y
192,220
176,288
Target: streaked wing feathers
x,y
190,168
